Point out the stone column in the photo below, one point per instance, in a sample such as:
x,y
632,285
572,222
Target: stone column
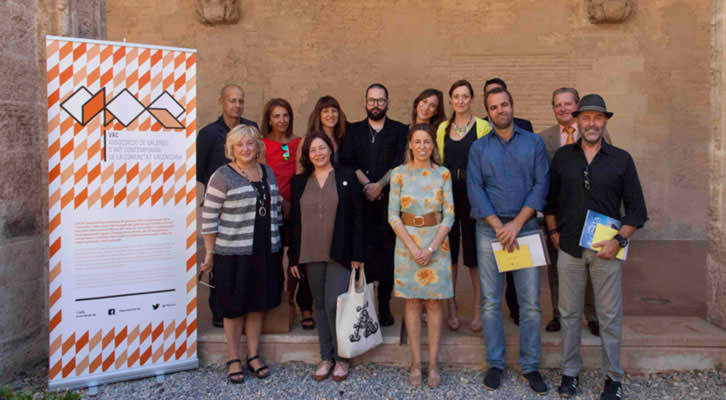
x,y
716,259
24,166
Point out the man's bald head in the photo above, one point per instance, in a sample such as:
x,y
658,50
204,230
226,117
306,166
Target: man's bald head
x,y
232,100
230,86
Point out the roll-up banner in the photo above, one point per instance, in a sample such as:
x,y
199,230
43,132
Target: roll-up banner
x,y
122,229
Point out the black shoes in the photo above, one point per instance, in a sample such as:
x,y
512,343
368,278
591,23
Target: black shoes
x,y
219,323
568,386
536,383
612,391
553,326
594,327
493,378
385,318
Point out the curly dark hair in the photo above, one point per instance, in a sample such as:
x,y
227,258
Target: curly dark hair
x,y
305,152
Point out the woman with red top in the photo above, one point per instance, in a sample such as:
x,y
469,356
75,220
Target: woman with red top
x,y
281,148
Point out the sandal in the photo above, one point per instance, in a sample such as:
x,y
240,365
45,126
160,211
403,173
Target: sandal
x,y
235,374
307,323
453,321
323,370
434,379
414,375
259,371
341,371
476,321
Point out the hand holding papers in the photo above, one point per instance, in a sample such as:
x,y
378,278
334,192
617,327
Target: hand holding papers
x,y
531,252
600,228
604,233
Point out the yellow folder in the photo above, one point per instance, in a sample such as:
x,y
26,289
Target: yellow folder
x,y
603,233
517,259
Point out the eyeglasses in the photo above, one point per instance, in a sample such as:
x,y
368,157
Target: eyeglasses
x,y
285,151
586,175
372,102
200,280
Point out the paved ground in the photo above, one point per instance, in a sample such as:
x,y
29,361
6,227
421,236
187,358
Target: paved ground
x,y
294,381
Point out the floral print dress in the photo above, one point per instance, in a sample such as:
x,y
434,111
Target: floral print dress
x,y
419,191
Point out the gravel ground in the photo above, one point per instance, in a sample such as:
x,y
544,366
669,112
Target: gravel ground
x,y
294,381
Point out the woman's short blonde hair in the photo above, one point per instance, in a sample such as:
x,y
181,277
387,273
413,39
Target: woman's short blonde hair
x,y
237,134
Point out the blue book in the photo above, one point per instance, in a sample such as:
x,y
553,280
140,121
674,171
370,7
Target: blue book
x,y
599,227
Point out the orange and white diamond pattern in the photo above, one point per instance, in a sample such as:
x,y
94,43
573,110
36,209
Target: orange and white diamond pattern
x,y
78,178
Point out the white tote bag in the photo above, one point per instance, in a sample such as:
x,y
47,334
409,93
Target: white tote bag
x,y
356,322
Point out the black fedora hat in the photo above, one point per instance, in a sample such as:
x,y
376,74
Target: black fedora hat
x,y
592,102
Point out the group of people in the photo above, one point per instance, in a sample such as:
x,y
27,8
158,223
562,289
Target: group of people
x,y
400,203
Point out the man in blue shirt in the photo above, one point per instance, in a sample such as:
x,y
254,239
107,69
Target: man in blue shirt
x,y
507,183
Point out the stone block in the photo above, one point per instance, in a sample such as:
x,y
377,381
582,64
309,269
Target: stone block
x,y
601,11
22,303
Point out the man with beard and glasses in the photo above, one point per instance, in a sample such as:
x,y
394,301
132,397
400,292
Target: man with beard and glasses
x,y
507,180
591,174
372,148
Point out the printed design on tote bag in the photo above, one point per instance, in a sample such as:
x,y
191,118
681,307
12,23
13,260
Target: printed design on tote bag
x,y
365,322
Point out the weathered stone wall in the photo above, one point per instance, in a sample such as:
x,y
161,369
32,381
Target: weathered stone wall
x,y
22,242
652,68
23,182
716,259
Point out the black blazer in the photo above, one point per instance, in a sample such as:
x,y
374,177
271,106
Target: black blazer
x,y
347,242
356,147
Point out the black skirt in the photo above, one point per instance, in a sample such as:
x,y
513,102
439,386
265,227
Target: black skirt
x,y
250,283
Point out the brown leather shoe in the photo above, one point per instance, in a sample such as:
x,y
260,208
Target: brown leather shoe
x,y
340,372
323,370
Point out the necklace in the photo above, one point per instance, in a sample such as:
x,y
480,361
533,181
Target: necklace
x,y
245,174
257,185
373,133
462,131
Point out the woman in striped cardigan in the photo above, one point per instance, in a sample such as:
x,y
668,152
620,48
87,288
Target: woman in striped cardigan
x,y
240,225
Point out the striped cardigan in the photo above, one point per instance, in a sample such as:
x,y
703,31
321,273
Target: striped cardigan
x,y
230,208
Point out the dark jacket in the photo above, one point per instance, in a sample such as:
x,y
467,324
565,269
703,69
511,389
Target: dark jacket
x,y
210,148
347,242
356,148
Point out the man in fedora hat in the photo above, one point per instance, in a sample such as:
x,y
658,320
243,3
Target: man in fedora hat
x,y
591,174
564,103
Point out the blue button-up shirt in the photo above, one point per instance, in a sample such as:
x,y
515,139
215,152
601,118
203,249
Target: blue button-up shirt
x,y
502,177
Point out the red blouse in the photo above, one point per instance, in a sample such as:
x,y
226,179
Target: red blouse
x,y
281,158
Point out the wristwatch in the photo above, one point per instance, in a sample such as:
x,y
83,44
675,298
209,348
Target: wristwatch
x,y
623,242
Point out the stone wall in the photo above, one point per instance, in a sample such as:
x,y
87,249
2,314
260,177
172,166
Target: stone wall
x,y
23,182
652,68
716,260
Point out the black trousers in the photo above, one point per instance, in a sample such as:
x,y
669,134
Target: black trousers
x,y
380,246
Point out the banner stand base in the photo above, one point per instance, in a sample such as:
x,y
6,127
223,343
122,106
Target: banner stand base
x,y
92,382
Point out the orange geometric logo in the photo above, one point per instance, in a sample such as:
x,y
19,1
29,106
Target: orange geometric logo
x,y
83,106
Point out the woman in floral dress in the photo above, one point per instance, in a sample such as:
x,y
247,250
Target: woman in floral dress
x,y
421,211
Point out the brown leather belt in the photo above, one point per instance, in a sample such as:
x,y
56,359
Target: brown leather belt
x,y
419,221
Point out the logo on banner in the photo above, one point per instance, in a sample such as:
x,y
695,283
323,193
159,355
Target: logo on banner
x,y
125,108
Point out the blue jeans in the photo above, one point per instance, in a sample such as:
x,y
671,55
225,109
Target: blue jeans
x,y
526,281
